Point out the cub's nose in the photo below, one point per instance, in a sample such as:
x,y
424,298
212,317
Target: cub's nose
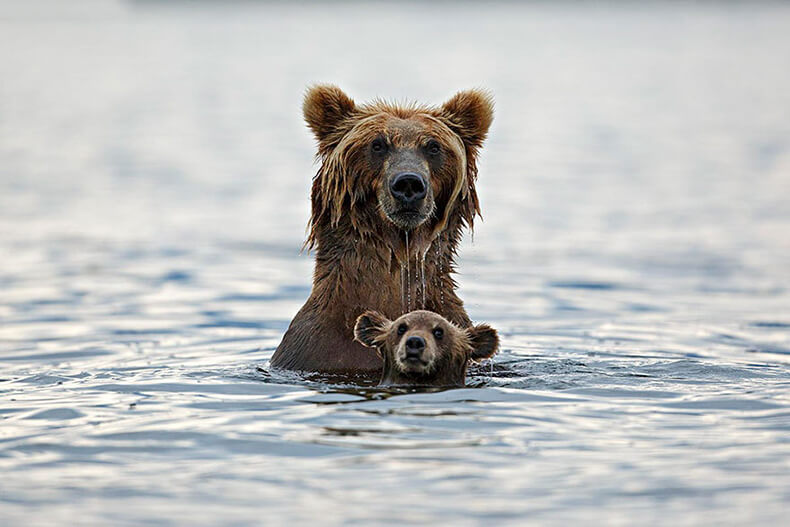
x,y
408,188
414,347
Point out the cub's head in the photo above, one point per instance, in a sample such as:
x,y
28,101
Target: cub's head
x,y
404,165
423,348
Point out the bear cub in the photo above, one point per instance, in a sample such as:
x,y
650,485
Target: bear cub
x,y
422,348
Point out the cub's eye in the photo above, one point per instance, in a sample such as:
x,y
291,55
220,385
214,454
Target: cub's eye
x,y
402,329
438,333
378,146
434,147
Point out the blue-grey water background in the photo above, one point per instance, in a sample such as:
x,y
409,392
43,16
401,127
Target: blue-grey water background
x,y
634,255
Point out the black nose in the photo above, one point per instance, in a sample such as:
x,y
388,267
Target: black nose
x,y
415,343
414,347
408,188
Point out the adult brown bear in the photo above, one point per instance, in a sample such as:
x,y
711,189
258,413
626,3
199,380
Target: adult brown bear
x,y
395,189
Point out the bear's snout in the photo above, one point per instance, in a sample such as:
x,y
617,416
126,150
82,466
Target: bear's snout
x,y
415,355
414,348
408,189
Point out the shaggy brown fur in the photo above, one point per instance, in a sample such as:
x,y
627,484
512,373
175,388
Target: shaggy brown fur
x,y
443,356
371,254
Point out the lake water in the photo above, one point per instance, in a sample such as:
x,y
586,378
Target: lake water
x,y
634,255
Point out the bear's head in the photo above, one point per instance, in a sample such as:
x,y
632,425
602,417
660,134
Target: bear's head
x,y
407,165
423,348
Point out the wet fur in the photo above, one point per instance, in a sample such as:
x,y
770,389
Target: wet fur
x,y
359,253
450,355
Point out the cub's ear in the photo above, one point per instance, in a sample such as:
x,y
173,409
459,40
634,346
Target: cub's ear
x,y
469,113
370,328
325,108
484,340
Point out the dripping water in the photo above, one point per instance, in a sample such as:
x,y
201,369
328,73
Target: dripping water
x,y
439,270
422,277
408,276
417,278
403,288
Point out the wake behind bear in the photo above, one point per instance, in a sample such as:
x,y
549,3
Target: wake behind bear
x,y
422,348
393,194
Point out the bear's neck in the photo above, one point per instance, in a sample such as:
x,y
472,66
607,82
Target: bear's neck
x,y
392,272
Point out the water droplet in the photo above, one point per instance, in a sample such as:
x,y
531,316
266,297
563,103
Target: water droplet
x,y
402,288
439,271
422,277
408,275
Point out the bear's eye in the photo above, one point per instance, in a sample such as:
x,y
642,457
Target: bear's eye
x,y
378,145
433,147
438,333
402,329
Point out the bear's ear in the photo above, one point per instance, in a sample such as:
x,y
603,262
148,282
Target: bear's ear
x,y
469,114
371,326
484,340
325,108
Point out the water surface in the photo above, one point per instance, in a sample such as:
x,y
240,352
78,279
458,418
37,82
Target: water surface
x,y
634,255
